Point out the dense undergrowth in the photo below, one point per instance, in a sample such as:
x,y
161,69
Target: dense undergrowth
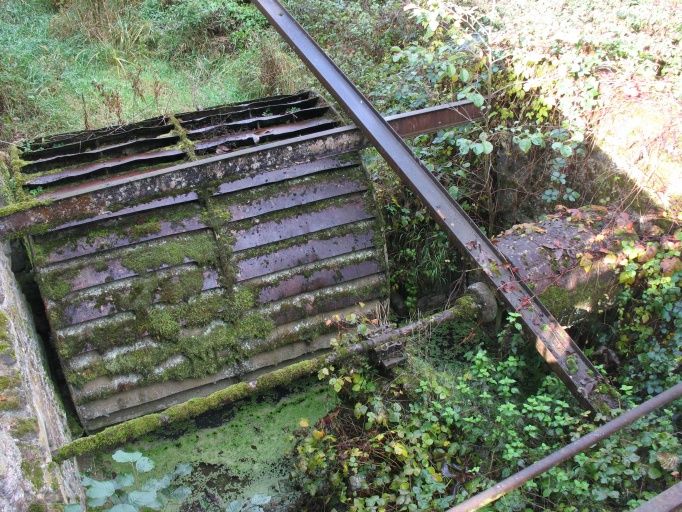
x,y
468,410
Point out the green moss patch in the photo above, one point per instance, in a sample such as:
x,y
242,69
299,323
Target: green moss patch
x,y
33,473
132,227
203,354
24,426
9,381
200,249
4,326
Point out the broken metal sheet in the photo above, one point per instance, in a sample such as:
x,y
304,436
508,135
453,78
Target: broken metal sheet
x,y
129,131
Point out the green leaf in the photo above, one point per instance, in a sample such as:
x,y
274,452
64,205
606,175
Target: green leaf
x,y
454,192
121,456
73,507
463,145
97,502
159,484
464,75
144,465
181,493
654,473
524,145
260,499
101,490
477,99
566,151
144,499
234,506
477,148
183,469
487,147
125,480
400,450
537,139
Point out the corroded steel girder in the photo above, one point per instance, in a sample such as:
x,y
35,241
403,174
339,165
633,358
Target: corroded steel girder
x,y
552,340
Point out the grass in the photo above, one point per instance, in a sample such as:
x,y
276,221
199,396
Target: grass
x,y
57,78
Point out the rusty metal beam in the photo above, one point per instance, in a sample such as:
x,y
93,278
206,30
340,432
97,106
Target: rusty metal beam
x,y
552,341
579,445
669,500
116,192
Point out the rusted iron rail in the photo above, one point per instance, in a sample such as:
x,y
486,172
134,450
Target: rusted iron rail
x,y
117,192
580,445
552,341
669,500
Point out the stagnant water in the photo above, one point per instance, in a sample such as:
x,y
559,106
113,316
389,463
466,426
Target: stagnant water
x,y
235,452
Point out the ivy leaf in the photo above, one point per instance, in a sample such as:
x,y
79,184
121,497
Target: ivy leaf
x,y
487,147
537,139
524,145
101,490
181,493
234,506
144,465
464,75
144,499
463,145
566,151
260,499
400,450
454,192
158,484
121,456
654,473
477,99
125,480
97,502
183,469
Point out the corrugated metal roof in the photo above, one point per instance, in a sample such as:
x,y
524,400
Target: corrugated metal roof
x,y
178,296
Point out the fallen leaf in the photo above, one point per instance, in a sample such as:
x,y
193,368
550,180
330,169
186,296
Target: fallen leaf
x,y
670,265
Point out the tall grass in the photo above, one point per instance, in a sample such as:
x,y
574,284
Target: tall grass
x,y
90,63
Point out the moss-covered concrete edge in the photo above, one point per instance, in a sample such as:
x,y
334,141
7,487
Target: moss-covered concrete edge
x,y
138,427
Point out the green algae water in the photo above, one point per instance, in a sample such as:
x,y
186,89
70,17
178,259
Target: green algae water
x,y
235,452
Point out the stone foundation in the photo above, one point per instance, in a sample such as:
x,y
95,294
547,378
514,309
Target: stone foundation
x,y
32,420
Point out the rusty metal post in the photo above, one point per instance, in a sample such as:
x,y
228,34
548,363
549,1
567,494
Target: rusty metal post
x,y
552,341
669,500
580,445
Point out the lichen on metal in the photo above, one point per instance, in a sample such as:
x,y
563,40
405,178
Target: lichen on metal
x,y
200,284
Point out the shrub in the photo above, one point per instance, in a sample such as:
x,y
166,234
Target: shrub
x,y
431,438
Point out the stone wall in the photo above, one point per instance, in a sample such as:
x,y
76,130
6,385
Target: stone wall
x,y
32,420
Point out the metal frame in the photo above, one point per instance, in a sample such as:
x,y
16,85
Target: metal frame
x,y
552,340
673,498
118,192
